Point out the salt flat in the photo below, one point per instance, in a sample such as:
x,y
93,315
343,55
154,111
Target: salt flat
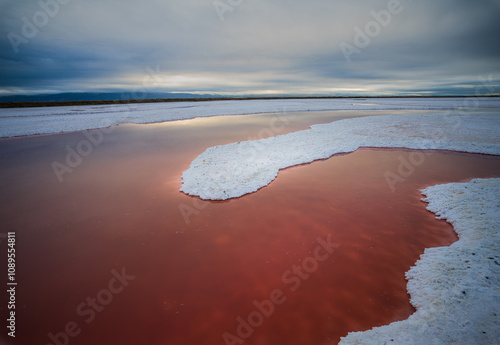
x,y
232,170
455,288
29,121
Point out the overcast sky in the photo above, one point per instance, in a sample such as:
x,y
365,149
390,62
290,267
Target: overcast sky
x,y
331,47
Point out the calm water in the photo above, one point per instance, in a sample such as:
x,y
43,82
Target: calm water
x,y
191,270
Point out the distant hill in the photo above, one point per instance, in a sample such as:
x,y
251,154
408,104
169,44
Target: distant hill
x,y
100,98
97,96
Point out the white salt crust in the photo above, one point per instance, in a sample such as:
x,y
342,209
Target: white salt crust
x,y
228,171
29,121
455,289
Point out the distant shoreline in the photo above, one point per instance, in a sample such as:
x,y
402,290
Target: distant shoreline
x,y
33,104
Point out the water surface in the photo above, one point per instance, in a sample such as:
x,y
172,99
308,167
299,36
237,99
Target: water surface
x,y
195,266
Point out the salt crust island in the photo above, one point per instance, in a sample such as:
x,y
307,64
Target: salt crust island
x,y
454,289
232,170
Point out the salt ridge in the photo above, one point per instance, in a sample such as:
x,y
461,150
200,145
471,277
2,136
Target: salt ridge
x,y
232,170
455,289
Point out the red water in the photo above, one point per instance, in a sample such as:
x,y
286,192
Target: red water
x,y
192,276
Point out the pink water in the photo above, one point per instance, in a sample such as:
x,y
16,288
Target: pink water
x,y
195,274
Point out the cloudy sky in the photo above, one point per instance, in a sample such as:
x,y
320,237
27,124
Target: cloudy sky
x,y
327,47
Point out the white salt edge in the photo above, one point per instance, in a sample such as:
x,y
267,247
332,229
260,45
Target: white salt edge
x,y
229,171
455,289
44,120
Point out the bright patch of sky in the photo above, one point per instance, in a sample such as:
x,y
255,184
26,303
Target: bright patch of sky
x,y
233,47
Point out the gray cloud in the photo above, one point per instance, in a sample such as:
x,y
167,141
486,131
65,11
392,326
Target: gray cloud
x,y
261,46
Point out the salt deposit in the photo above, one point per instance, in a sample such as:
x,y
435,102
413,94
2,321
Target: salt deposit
x,y
455,289
228,171
28,121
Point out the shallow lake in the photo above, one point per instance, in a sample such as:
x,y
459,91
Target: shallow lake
x,y
109,251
